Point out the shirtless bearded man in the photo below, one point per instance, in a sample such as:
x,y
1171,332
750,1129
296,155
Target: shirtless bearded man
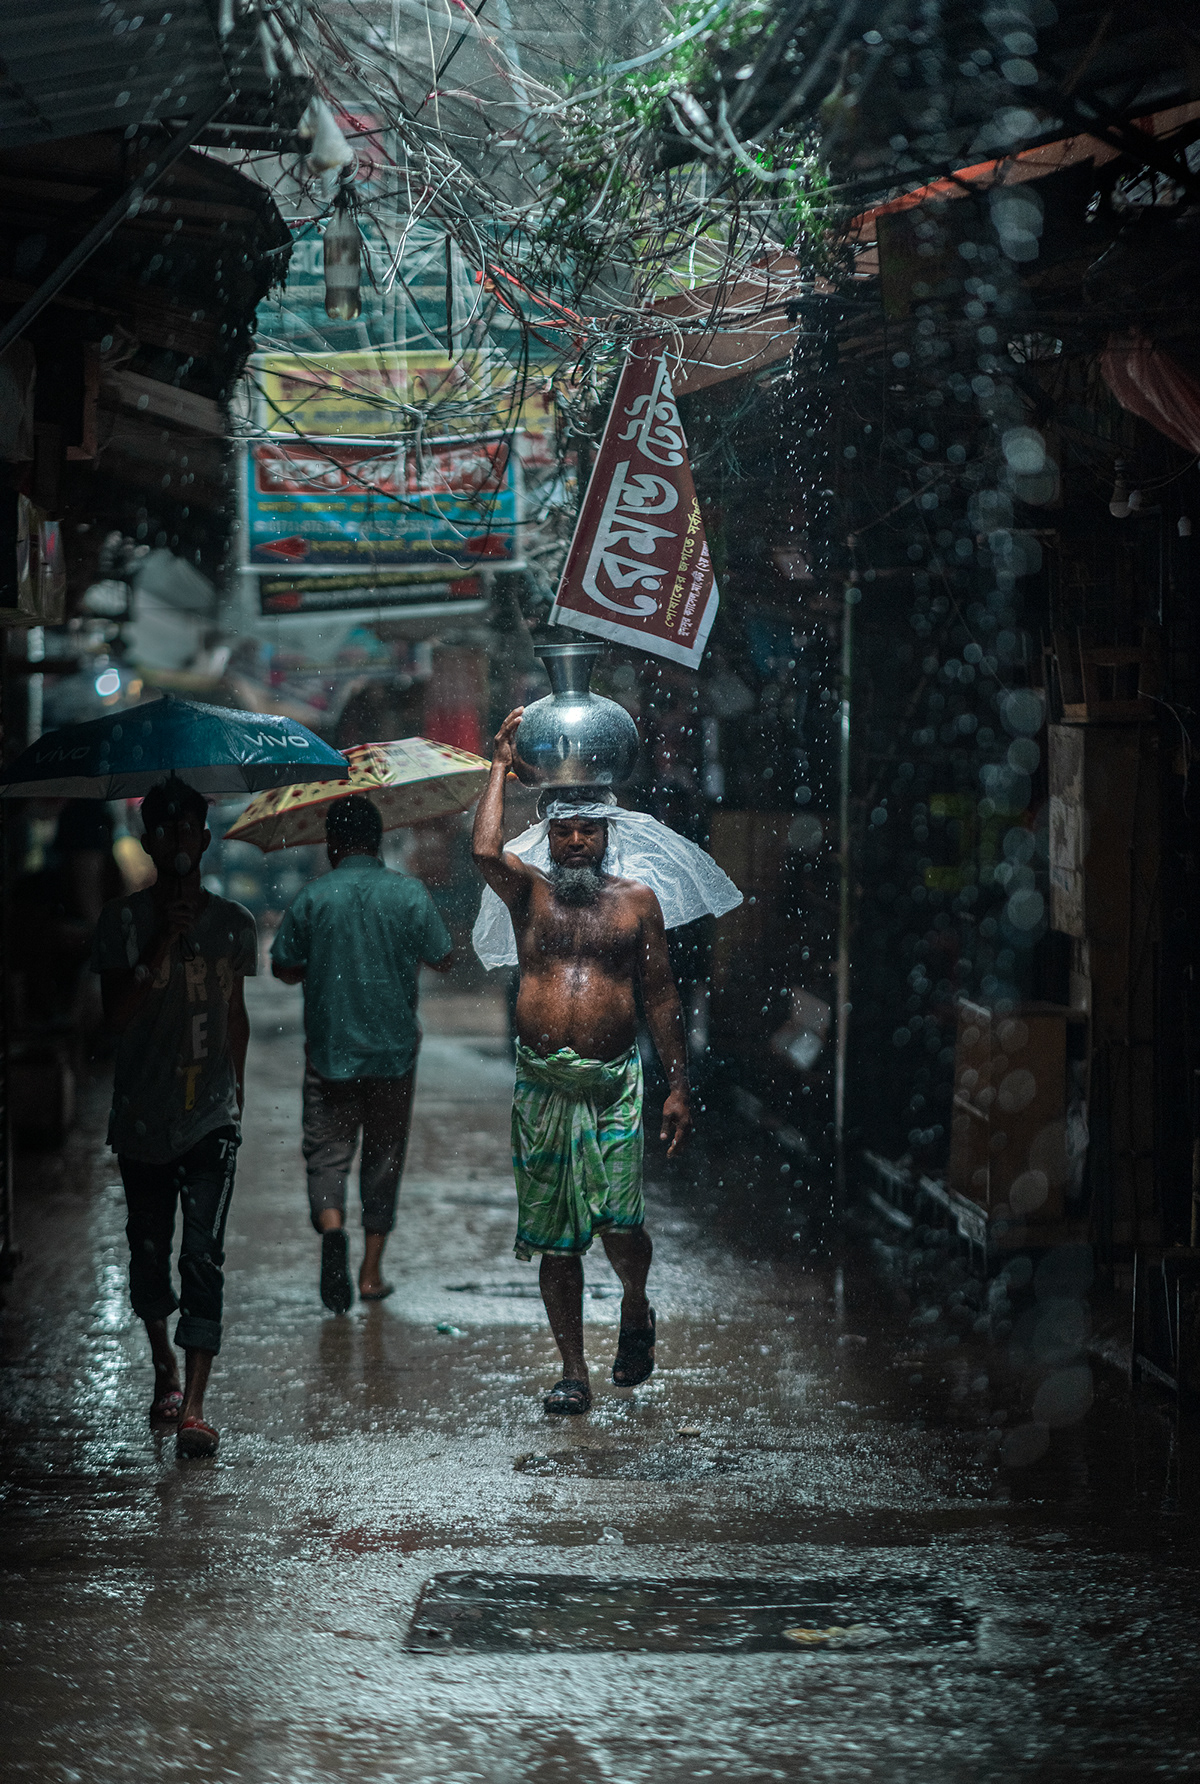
x,y
585,940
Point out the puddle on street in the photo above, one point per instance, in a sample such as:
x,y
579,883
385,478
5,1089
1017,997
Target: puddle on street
x,y
495,1613
658,1462
525,1291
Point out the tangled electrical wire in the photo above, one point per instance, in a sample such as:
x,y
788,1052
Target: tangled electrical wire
x,y
554,169
540,160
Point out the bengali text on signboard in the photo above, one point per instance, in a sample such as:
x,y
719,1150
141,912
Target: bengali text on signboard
x,y
639,571
324,505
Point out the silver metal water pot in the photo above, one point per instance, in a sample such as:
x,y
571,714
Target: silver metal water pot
x,y
573,737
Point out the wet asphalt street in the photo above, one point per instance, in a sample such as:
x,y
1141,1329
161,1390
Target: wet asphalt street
x,y
251,1617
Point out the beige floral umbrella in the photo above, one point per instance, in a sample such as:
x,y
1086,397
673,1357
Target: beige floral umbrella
x,y
409,780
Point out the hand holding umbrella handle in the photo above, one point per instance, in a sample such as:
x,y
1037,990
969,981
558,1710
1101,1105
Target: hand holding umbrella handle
x,y
179,917
183,866
187,949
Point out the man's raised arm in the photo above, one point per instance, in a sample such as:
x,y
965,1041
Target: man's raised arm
x,y
505,874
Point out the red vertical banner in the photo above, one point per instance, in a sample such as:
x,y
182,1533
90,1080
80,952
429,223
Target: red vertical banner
x,y
639,571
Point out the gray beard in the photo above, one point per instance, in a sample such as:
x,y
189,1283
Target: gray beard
x,y
575,885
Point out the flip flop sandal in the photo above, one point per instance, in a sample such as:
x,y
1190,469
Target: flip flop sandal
x,y
195,1438
569,1397
166,1408
377,1294
336,1292
634,1360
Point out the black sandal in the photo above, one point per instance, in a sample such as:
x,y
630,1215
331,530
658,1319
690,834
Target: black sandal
x,y
336,1292
635,1356
569,1396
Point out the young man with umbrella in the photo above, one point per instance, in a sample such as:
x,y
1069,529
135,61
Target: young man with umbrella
x,y
356,939
172,962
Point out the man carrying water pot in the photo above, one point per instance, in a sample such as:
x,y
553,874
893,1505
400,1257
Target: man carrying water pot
x,y
588,942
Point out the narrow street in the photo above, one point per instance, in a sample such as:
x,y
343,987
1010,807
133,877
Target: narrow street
x,y
706,494
251,1617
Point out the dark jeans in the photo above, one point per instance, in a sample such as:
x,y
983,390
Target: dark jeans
x,y
202,1179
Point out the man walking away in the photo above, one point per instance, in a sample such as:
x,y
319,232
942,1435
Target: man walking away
x,y
172,962
356,939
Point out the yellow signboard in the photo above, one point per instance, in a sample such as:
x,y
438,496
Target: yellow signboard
x,y
370,392
381,393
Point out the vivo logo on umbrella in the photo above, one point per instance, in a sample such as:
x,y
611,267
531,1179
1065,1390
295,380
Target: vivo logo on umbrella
x,y
266,742
61,755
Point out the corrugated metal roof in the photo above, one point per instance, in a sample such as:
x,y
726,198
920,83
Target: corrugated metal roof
x,y
70,67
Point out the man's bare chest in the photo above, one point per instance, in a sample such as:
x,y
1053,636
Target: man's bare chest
x,y
603,933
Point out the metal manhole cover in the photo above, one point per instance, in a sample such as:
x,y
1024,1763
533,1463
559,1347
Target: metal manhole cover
x,y
504,1613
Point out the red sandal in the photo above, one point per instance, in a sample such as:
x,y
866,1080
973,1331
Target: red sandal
x,y
165,1409
195,1438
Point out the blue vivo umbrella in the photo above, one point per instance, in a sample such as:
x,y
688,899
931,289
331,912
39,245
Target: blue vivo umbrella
x,y
213,748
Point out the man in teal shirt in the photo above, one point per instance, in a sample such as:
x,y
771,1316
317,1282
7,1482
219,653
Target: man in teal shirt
x,y
356,938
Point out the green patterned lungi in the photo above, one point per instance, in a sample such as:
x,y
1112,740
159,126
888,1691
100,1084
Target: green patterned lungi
x,y
577,1149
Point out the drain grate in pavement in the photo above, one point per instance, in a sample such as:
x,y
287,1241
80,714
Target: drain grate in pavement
x,y
662,1462
504,1613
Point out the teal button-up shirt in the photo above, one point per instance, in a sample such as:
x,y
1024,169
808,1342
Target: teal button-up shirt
x,y
360,934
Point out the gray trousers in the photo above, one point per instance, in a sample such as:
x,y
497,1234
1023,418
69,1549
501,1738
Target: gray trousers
x,y
335,1110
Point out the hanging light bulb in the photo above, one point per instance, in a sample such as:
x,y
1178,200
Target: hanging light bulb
x,y
343,297
1118,506
1136,501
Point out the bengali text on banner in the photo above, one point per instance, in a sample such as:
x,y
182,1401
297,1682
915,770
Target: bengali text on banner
x,y
639,571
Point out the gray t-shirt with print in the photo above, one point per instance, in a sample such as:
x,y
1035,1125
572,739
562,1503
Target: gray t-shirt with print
x,y
174,1080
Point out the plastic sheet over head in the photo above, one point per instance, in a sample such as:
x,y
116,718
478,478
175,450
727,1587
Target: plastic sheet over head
x,y
687,882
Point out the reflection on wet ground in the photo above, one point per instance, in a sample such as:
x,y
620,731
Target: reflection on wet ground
x,y
494,1613
252,1617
